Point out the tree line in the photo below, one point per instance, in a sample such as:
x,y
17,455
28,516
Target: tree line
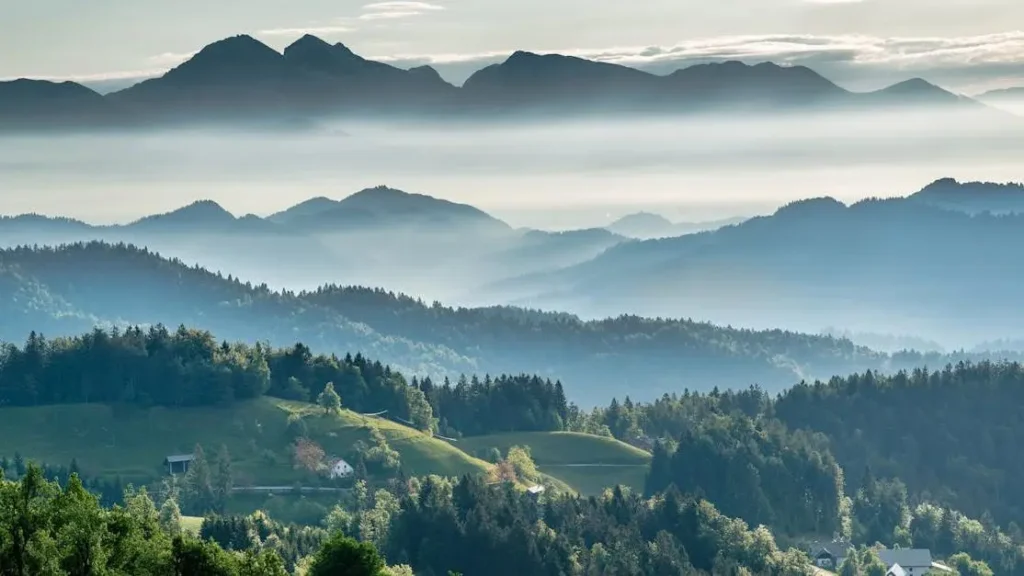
x,y
187,367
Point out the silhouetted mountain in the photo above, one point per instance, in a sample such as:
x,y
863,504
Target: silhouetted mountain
x,y
358,83
875,266
917,91
384,207
240,79
645,226
32,104
204,215
553,80
764,84
304,209
237,76
973,197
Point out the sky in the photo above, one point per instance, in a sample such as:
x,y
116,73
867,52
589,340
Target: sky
x,y
965,45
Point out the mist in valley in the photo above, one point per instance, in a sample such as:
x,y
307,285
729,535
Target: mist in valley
x,y
569,176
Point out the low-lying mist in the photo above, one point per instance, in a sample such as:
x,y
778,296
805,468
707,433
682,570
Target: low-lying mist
x,y
548,174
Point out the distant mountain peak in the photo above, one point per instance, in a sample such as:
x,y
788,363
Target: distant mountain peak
x,y
240,48
200,212
308,40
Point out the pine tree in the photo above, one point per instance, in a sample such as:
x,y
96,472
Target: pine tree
x,y
198,483
170,517
223,481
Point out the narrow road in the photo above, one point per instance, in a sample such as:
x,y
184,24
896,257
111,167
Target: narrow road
x,y
286,489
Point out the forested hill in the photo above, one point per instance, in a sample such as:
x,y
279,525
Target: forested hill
x,y
69,290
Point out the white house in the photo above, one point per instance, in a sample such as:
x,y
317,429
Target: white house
x,y
341,469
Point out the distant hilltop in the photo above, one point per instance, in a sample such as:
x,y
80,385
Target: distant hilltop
x,y
240,79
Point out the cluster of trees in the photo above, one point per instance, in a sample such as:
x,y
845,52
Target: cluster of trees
x,y
474,407
108,490
757,471
49,530
920,469
146,367
473,528
952,435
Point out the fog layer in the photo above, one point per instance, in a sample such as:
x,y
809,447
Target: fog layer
x,y
559,175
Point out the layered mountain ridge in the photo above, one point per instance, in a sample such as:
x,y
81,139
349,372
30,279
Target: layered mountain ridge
x,y
241,78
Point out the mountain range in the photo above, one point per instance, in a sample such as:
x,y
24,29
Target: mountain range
x,y
376,237
71,289
940,264
242,79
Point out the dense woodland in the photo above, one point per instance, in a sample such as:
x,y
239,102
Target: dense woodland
x,y
70,290
48,529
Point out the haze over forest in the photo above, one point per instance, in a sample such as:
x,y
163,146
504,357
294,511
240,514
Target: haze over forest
x,y
744,305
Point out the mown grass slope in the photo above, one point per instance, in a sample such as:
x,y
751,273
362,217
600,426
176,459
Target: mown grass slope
x,y
132,443
585,462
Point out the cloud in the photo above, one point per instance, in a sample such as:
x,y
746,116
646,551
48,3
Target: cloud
x,y
402,6
170,58
315,30
971,58
397,9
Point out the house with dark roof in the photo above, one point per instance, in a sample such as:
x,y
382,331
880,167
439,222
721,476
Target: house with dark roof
x,y
178,464
829,555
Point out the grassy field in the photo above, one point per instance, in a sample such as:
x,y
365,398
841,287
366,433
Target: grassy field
x,y
132,444
192,524
587,463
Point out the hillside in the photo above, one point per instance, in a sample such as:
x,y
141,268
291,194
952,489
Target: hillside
x,y
973,197
69,290
879,266
132,443
588,464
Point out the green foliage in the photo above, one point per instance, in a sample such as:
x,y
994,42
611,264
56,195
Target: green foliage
x,y
329,399
757,471
343,556
923,428
965,566
49,530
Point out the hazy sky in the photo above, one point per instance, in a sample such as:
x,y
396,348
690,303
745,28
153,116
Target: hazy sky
x,y
968,45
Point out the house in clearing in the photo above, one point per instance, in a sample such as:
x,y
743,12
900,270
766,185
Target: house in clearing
x,y
178,464
341,469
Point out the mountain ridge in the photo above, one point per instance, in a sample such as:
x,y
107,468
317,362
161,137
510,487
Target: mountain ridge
x,y
241,79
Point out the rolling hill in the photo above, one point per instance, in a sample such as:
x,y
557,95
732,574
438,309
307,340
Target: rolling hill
x,y
132,443
586,463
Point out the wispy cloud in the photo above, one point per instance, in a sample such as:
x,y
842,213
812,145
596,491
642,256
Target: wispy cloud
x,y
170,58
402,5
855,49
315,30
397,9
